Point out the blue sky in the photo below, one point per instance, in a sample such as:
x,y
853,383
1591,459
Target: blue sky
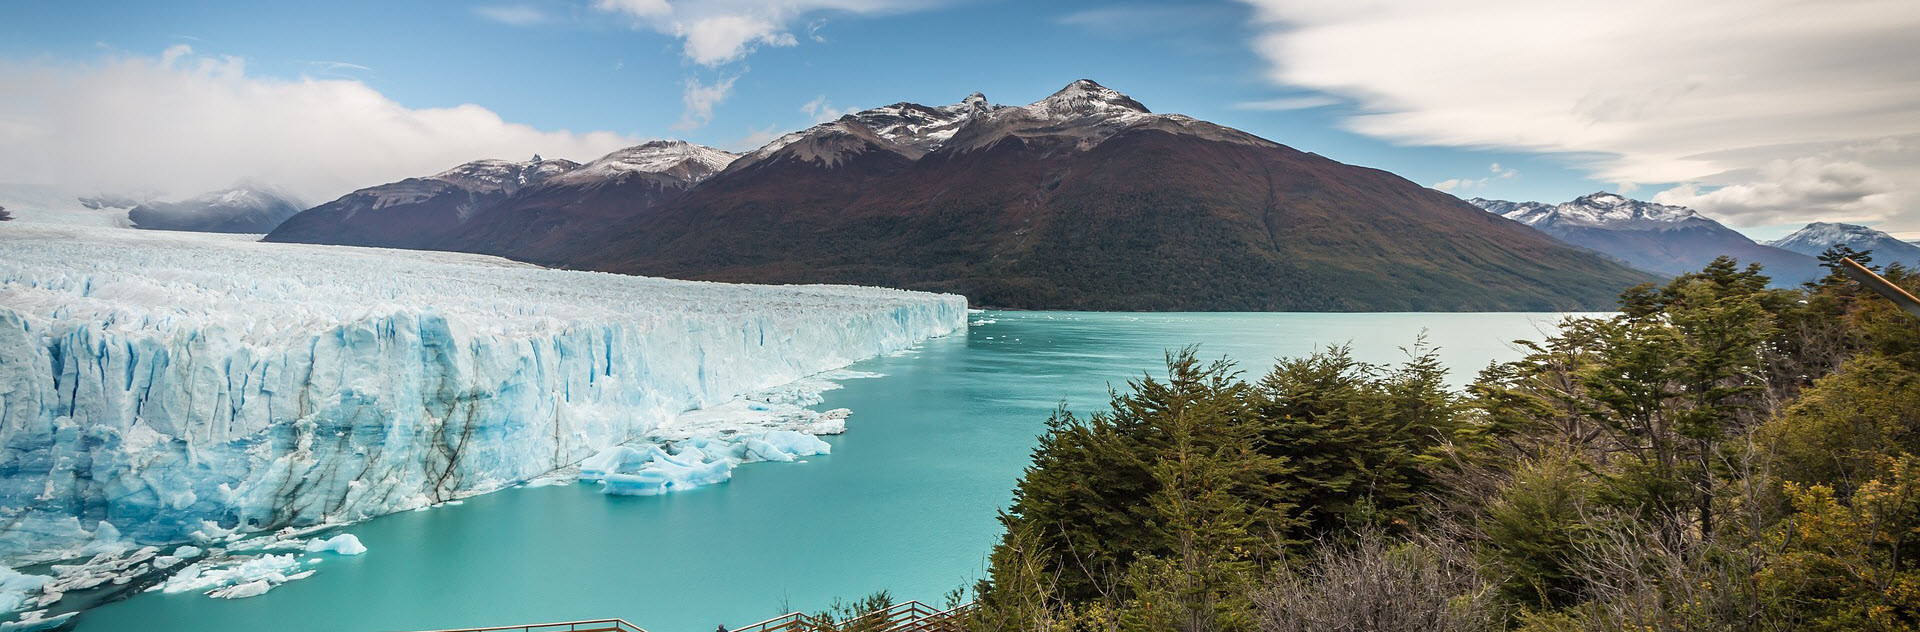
x,y
625,67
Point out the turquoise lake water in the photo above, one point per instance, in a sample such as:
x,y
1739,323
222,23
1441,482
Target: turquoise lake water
x,y
906,502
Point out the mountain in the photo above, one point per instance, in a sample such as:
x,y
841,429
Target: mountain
x,y
416,212
1088,200
241,209
516,209
563,214
1818,236
1668,240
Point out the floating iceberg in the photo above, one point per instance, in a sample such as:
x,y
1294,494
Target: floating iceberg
x,y
649,469
237,577
343,544
161,387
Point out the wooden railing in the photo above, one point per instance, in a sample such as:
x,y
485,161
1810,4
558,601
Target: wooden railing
x,y
594,625
910,616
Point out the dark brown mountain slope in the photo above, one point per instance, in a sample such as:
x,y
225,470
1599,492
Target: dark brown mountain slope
x,y
1086,201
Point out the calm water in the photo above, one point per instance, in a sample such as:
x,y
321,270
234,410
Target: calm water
x,y
906,502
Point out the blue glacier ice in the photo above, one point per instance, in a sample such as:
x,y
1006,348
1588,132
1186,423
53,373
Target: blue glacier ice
x,y
154,386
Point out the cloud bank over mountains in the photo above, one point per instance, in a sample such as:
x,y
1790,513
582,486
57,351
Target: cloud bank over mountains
x,y
184,123
1766,110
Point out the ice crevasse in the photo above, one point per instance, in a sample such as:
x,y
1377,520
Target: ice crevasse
x,y
157,384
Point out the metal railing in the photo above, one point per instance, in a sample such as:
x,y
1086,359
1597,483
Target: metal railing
x,y
592,625
1900,297
909,616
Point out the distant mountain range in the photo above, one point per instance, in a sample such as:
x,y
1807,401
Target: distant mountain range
x,y
1667,240
1082,200
1818,236
246,208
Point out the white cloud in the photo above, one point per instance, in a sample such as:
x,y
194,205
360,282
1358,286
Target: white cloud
x,y
1710,92
1143,19
512,14
1307,102
717,32
821,111
755,139
184,123
335,66
636,8
700,99
1463,184
726,38
1784,190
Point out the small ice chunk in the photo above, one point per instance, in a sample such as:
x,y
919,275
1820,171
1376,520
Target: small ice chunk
x,y
343,544
212,575
253,588
784,445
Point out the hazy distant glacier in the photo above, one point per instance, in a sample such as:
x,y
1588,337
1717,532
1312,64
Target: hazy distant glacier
x,y
154,381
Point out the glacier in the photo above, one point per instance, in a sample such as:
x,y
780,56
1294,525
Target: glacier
x,y
155,386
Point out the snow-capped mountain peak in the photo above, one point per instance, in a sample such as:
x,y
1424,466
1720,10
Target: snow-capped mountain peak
x,y
1817,237
976,102
1086,98
1825,234
1595,210
243,208
1654,237
504,176
909,129
677,159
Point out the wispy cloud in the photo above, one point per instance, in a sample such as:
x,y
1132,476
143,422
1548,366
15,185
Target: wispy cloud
x,y
513,14
1307,102
716,33
1463,184
1142,19
822,111
755,139
700,99
183,123
1783,189
335,68
1724,94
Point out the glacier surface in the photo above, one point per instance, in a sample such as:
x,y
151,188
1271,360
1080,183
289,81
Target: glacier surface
x,y
157,385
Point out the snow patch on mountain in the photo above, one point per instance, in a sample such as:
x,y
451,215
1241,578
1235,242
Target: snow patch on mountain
x,y
156,384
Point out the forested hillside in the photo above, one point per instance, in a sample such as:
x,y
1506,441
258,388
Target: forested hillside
x,y
1718,456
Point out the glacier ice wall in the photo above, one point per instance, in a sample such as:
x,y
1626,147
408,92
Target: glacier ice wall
x,y
151,381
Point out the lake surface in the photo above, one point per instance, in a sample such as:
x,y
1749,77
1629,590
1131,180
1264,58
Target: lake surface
x,y
906,502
